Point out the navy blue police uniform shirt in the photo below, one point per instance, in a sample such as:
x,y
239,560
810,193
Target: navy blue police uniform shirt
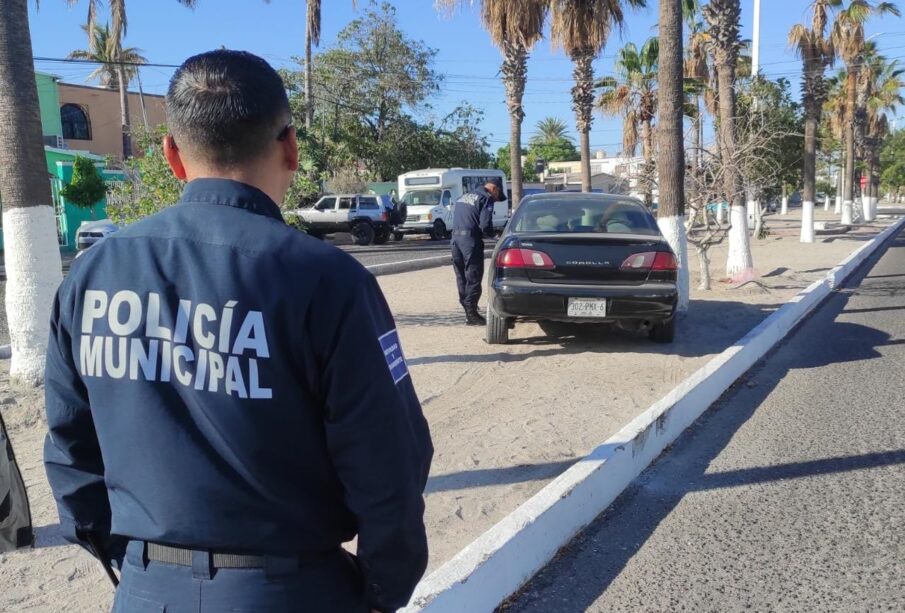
x,y
473,213
216,379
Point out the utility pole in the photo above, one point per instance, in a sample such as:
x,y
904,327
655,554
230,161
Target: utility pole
x,y
141,98
755,42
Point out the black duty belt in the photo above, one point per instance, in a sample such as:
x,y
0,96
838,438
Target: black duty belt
x,y
183,557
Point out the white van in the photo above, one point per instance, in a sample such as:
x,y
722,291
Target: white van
x,y
429,196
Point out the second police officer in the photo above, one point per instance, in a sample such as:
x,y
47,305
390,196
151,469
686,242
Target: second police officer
x,y
472,223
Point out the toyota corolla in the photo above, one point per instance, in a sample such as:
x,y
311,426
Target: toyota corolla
x,y
584,258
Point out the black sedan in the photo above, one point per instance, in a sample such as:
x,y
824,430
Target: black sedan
x,y
585,258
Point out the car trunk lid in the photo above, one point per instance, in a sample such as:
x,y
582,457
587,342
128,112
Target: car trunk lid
x,y
590,258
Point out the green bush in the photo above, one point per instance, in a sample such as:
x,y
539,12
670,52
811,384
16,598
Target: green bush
x,y
149,185
87,187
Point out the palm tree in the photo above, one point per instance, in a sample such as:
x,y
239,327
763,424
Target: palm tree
x,y
816,52
671,165
312,39
722,17
634,96
581,28
849,41
834,110
114,52
31,256
550,130
514,26
98,52
697,74
884,94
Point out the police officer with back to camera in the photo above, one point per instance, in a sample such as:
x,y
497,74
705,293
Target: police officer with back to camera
x,y
227,399
472,223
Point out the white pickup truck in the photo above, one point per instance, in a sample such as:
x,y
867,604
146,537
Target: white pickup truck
x,y
364,216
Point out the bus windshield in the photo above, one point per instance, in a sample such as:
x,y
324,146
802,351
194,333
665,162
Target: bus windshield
x,y
429,197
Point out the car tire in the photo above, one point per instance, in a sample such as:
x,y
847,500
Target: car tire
x,y
438,232
497,328
381,237
315,234
663,332
397,236
363,233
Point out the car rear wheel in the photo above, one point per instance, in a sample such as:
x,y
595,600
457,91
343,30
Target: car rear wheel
x,y
397,236
382,237
497,328
363,233
663,332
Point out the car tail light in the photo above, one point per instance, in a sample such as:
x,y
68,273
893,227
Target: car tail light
x,y
524,258
385,216
651,260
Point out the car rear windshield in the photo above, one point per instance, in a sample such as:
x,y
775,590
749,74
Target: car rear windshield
x,y
583,215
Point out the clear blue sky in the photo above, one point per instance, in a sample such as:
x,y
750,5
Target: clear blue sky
x,y
167,33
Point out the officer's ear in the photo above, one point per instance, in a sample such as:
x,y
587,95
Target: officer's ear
x,y
173,156
290,146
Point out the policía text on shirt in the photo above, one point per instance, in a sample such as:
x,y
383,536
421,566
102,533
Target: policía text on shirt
x,y
218,361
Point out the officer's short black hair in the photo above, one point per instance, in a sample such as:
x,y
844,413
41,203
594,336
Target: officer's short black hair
x,y
227,107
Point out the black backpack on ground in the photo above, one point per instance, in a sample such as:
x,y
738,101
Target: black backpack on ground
x,y
15,514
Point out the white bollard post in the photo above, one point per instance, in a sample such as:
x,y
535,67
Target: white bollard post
x,y
785,206
826,203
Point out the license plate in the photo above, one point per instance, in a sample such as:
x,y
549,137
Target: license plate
x,y
587,307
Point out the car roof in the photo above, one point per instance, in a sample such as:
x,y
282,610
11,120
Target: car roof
x,y
579,196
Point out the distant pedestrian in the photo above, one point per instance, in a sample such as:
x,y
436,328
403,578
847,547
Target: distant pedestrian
x,y
227,398
472,223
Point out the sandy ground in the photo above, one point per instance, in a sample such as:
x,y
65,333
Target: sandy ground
x,y
505,420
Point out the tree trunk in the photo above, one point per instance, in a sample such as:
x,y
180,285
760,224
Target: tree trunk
x,y
671,140
848,183
785,201
582,104
32,255
125,121
647,152
514,71
704,265
837,210
810,172
309,83
739,262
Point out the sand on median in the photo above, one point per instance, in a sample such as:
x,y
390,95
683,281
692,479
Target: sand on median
x,y
505,419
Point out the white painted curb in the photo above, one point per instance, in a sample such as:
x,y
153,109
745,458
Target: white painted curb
x,y
505,557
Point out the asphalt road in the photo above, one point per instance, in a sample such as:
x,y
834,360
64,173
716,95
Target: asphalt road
x,y
788,495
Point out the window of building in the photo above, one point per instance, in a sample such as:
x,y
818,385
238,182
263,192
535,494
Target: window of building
x,y
75,122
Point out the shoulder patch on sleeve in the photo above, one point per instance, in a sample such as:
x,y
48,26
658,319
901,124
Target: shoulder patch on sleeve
x,y
392,351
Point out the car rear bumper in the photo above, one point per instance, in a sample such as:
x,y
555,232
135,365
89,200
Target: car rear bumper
x,y
522,299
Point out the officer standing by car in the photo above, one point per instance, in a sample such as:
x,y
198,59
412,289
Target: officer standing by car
x,y
227,398
472,223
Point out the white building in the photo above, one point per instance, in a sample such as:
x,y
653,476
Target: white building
x,y
618,175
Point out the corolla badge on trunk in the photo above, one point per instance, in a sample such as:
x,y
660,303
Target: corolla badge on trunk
x,y
587,263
